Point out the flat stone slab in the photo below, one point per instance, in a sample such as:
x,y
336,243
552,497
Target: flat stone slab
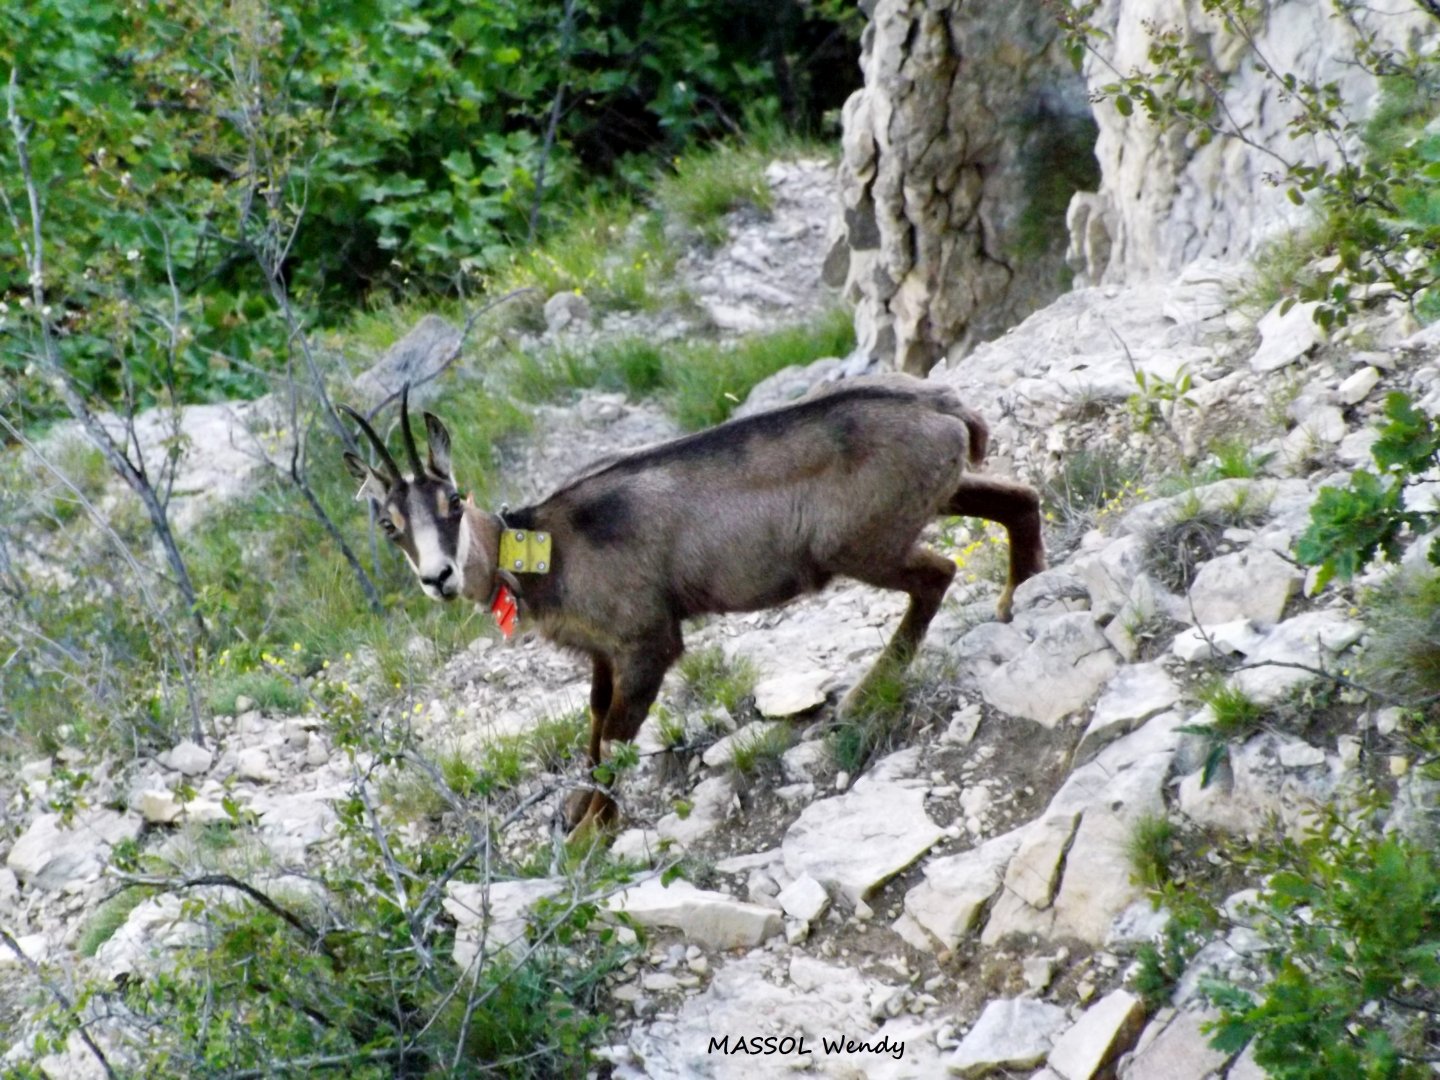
x,y
495,915
1013,1033
1061,670
956,889
1251,584
1136,693
792,693
855,842
1103,1032
708,918
52,854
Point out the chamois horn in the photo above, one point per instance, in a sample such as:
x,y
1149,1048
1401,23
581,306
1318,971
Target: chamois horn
x,y
386,460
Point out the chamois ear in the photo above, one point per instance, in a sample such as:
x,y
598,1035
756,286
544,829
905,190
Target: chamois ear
x,y
372,484
438,438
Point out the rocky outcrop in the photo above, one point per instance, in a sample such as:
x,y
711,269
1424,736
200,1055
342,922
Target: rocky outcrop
x,y
1164,200
960,152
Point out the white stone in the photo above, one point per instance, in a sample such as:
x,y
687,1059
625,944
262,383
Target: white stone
x,y
1284,338
804,899
1136,693
1058,673
711,802
1103,1032
1251,584
1173,1047
1313,639
957,888
35,947
494,915
802,762
1200,643
760,733
1014,1033
792,693
1357,387
964,723
253,763
854,842
188,758
50,855
159,807
708,918
1300,755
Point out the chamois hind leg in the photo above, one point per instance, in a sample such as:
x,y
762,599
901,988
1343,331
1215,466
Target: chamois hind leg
x,y
636,682
602,689
925,576
1015,506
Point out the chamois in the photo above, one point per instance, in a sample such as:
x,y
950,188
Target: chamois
x,y
743,516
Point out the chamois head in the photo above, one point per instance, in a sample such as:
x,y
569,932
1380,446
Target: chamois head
x,y
423,513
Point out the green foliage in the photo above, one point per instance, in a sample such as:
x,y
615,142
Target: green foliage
x,y
108,918
1150,849
1380,212
1350,526
706,382
404,144
753,754
1157,399
269,692
1233,459
873,719
1402,651
1233,717
705,187
1351,921
710,677
1160,964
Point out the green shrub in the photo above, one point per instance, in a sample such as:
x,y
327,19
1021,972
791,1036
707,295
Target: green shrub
x,y
1402,653
1349,526
1150,849
1350,919
710,677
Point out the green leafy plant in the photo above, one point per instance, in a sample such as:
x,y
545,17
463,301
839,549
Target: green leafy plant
x,y
710,676
1380,210
1350,918
1349,526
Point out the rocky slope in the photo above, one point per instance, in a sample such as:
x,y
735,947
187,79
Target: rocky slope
x,y
966,902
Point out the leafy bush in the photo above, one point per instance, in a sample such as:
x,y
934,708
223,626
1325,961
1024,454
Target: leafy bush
x,y
1350,526
1350,920
407,145
1380,211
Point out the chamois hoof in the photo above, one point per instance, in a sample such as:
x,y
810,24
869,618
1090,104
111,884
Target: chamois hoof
x,y
591,813
1004,607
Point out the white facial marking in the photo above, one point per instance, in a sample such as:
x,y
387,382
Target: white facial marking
x,y
432,560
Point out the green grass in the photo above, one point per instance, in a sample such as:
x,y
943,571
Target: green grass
x,y
1233,459
711,678
269,691
1403,651
108,918
706,382
873,721
1234,714
1150,849
707,185
754,753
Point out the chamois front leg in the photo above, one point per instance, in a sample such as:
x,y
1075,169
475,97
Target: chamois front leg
x,y
925,576
602,690
1017,508
635,682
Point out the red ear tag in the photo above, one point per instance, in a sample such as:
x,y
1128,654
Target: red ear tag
x,y
505,610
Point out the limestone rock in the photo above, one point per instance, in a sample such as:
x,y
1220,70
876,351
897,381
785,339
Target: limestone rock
x,y
1200,643
1356,388
1136,693
1284,338
1014,1033
1062,669
804,899
188,758
792,693
51,854
414,359
159,807
708,918
957,888
1314,639
1251,584
253,763
497,912
1103,1032
566,311
1173,1047
854,842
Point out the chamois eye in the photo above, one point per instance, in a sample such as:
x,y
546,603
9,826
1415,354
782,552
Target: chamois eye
x,y
455,502
388,526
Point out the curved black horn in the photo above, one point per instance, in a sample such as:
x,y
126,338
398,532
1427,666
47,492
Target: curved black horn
x,y
409,435
375,441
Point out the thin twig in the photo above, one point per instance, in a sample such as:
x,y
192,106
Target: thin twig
x,y
59,995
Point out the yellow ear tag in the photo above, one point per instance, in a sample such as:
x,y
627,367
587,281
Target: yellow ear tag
x,y
525,552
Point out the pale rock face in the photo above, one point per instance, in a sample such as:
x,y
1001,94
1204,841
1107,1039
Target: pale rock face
x,y
1246,584
1101,1034
1062,669
935,181
493,916
51,855
708,918
1011,1033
